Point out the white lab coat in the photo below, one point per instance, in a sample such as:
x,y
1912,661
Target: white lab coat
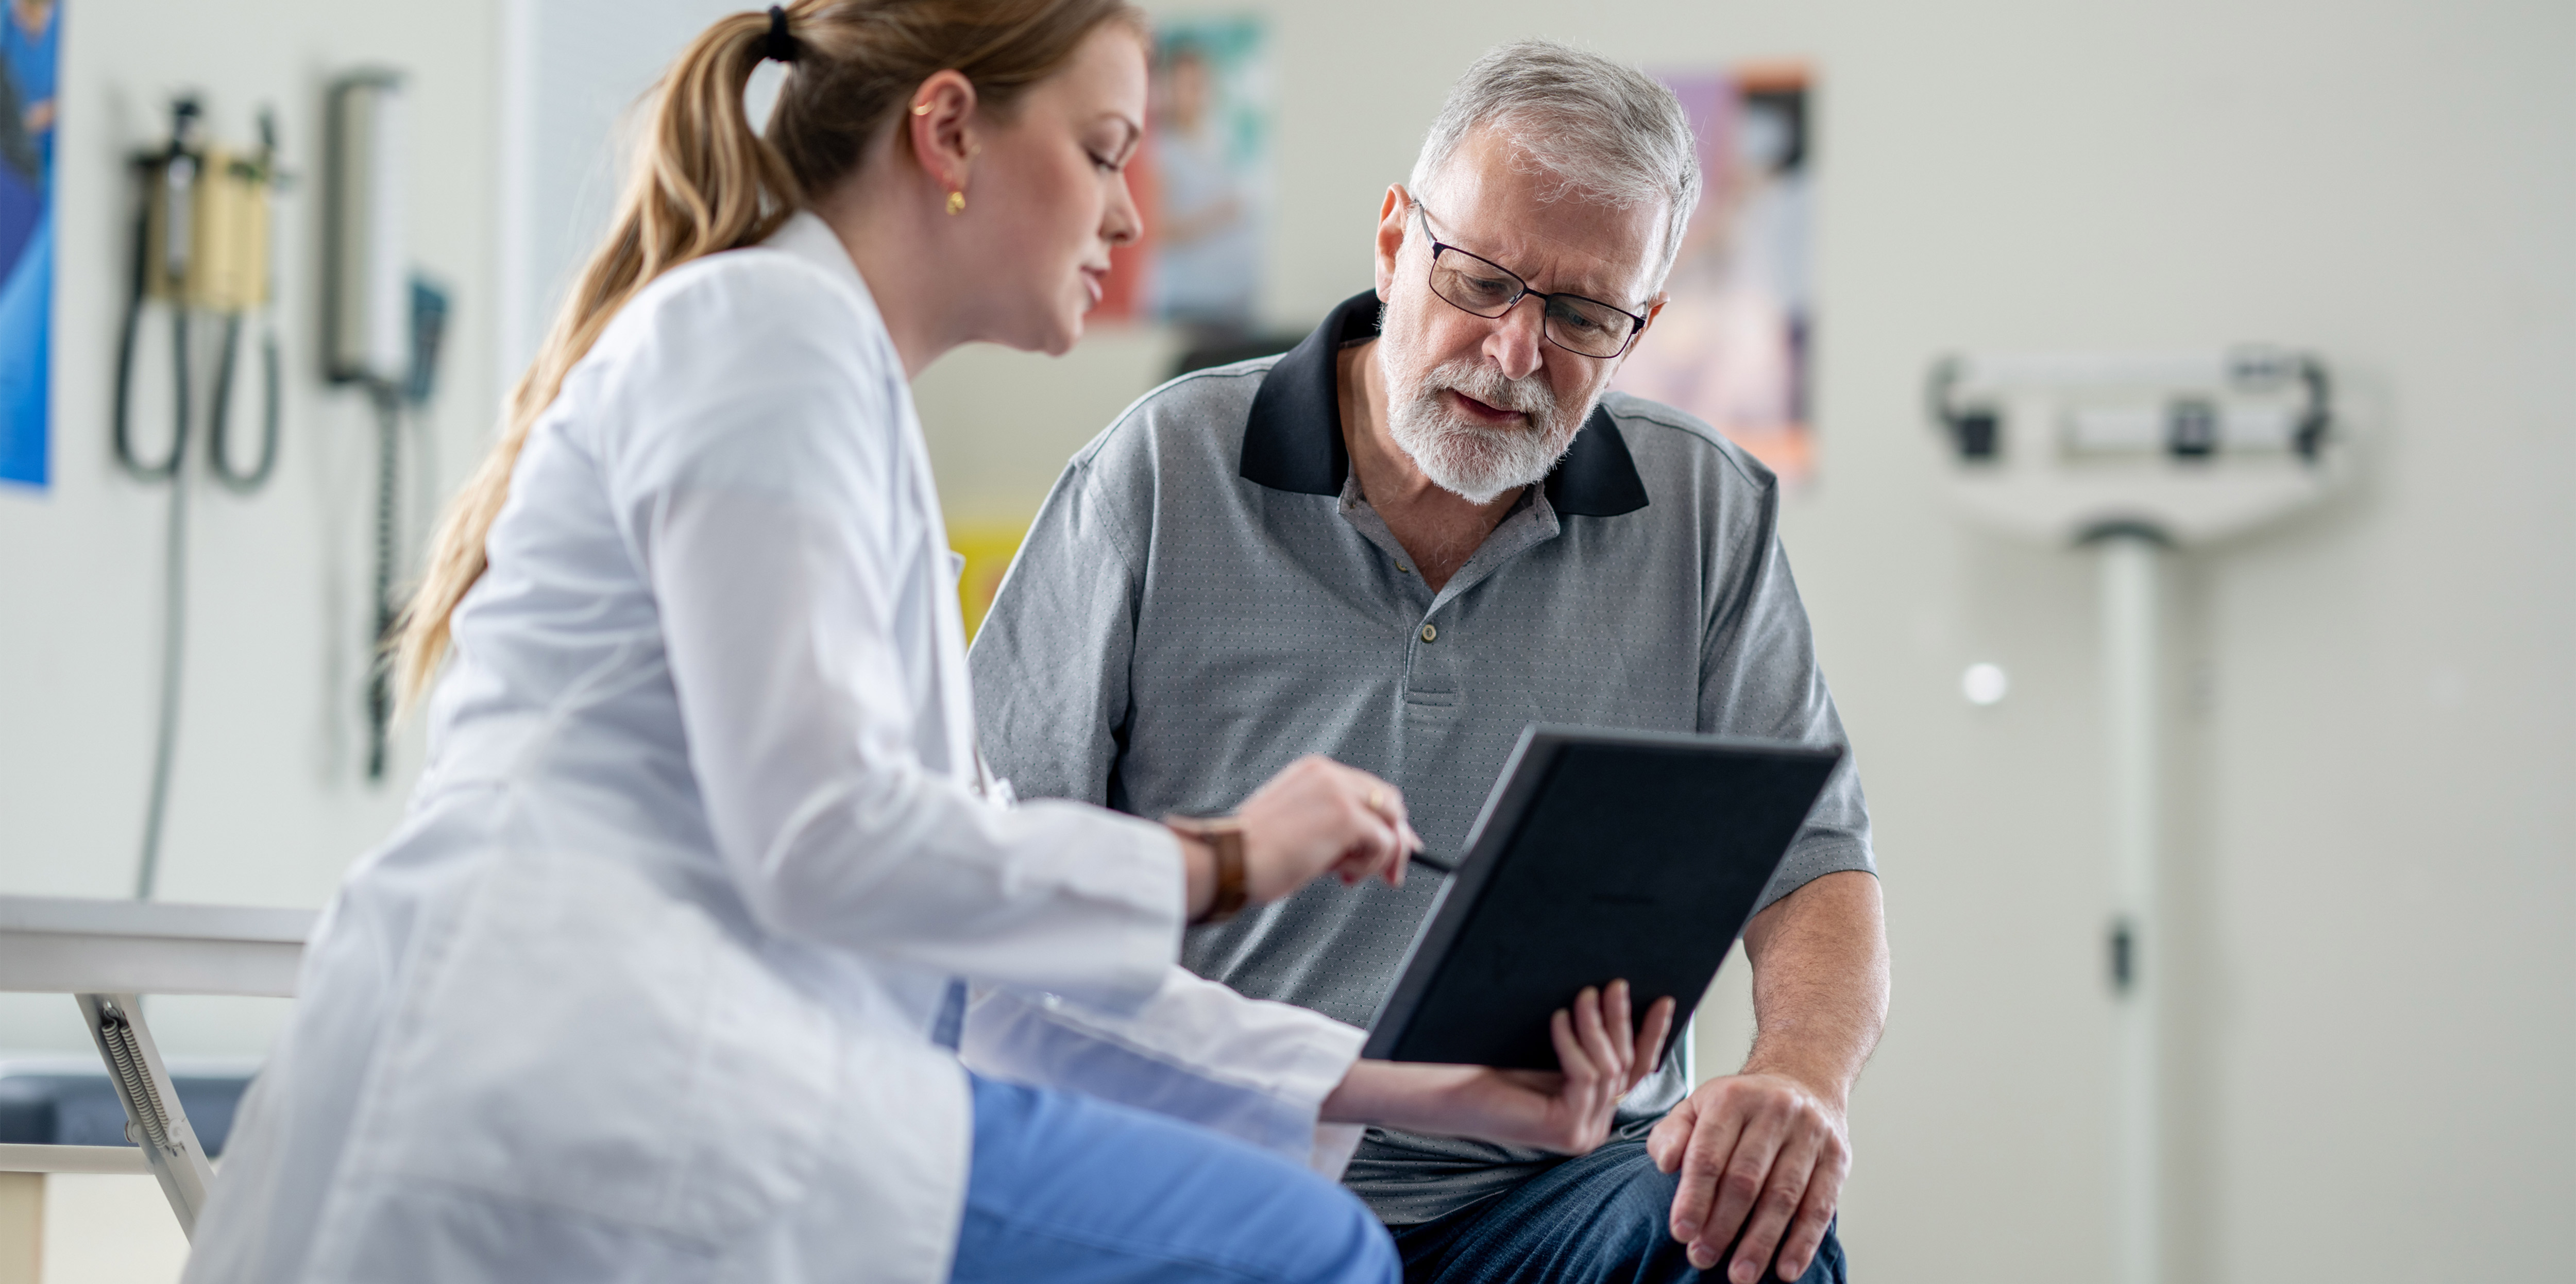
x,y
645,986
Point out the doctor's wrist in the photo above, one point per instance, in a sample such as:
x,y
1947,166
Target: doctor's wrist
x,y
1213,866
1198,876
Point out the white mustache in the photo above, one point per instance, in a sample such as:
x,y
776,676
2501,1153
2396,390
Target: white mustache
x,y
1529,394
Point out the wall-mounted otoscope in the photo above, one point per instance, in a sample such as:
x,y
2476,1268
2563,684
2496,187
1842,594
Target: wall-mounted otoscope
x,y
200,250
201,247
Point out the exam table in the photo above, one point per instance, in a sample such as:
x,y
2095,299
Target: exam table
x,y
105,955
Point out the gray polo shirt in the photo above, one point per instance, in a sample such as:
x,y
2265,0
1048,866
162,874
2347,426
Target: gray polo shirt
x,y
1206,596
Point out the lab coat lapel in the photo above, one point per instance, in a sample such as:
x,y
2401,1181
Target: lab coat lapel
x,y
808,237
947,616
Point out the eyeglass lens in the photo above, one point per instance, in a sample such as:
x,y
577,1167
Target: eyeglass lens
x,y
1576,324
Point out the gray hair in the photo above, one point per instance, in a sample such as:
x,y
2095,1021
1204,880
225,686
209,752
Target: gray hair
x,y
1608,131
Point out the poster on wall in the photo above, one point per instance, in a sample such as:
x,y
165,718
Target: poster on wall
x,y
1732,346
28,31
1202,182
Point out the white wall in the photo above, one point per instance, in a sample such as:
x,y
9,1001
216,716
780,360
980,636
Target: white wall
x,y
572,70
269,803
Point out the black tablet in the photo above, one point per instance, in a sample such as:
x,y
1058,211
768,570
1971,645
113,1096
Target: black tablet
x,y
1599,855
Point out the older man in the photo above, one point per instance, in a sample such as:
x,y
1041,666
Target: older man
x,y
1425,527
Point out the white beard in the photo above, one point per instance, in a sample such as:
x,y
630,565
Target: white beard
x,y
1468,459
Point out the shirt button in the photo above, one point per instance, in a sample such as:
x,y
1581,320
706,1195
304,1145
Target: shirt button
x,y
1430,633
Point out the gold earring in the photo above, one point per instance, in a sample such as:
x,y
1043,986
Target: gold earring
x,y
921,109
957,202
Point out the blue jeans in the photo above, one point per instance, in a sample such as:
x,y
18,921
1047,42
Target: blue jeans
x,y
1595,1219
1068,1190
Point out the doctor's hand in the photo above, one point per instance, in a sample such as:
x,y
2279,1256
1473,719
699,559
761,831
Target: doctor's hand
x,y
1763,1154
1318,816
1602,1055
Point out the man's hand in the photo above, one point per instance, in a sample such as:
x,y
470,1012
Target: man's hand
x,y
1762,1153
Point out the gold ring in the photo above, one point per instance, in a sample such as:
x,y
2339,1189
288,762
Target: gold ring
x,y
1377,799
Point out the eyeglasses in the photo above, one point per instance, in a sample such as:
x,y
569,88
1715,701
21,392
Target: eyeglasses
x,y
1481,287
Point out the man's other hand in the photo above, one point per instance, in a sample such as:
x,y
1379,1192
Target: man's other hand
x,y
1762,1153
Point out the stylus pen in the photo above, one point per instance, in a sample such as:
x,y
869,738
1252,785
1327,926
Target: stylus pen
x,y
1437,864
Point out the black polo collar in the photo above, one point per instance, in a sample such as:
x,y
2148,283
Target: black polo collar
x,y
1293,440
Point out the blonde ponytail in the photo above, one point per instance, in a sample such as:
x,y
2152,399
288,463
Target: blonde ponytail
x,y
706,183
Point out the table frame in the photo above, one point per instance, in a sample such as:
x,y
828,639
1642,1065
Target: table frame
x,y
106,955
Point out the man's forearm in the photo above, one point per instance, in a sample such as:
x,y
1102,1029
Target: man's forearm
x,y
1820,982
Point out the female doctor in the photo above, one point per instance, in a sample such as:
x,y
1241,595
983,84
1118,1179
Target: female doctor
x,y
665,972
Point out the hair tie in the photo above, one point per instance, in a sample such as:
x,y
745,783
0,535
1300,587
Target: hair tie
x,y
780,46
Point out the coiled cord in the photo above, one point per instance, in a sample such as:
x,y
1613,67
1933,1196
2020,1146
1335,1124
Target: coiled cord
x,y
380,708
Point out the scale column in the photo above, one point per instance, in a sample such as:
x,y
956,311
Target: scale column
x,y
2132,564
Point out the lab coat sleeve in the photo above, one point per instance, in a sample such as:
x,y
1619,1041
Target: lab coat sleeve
x,y
1255,1070
1050,665
759,474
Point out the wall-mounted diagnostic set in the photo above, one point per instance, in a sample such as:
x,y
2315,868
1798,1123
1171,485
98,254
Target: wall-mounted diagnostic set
x,y
202,256
200,252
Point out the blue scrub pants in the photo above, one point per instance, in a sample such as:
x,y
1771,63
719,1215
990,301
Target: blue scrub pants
x,y
1068,1190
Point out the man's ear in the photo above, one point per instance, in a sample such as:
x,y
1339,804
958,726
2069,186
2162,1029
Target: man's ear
x,y
1392,214
1654,308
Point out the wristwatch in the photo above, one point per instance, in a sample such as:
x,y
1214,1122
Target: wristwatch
x,y
1224,836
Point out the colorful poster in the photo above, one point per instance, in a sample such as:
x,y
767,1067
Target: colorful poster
x,y
1202,181
29,31
1732,345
